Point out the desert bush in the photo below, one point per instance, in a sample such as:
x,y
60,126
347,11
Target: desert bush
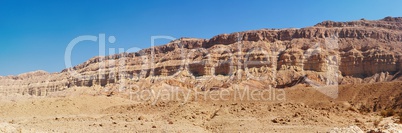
x,y
377,122
374,131
387,113
364,110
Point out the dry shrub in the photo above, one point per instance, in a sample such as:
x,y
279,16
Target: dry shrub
x,y
388,113
377,122
364,110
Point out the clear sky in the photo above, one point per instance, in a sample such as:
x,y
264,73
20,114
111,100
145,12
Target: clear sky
x,y
34,34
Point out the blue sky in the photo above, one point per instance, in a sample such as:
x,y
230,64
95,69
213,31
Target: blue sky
x,y
35,34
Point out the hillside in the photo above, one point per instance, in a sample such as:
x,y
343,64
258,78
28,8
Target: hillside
x,y
328,53
330,77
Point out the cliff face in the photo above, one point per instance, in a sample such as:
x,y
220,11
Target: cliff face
x,y
327,53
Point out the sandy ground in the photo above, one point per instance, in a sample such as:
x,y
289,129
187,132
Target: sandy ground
x,y
303,110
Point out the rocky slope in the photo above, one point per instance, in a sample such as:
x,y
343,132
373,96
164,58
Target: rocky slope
x,y
328,53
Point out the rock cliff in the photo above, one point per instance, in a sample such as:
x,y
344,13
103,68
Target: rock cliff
x,y
328,53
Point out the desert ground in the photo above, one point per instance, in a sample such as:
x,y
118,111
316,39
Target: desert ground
x,y
300,109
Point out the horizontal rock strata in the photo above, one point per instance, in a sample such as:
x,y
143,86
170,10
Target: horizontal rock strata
x,y
327,53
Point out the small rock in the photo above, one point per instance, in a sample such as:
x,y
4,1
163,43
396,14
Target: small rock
x,y
141,118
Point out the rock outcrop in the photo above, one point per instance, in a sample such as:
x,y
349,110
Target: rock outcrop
x,y
327,53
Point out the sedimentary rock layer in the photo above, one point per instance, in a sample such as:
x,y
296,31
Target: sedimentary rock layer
x,y
327,53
